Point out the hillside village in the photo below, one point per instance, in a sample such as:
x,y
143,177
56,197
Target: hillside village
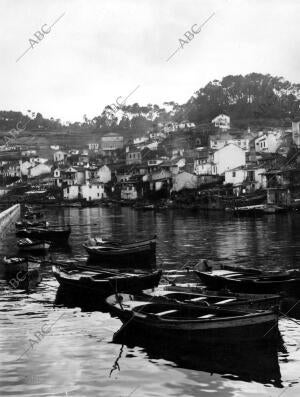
x,y
174,164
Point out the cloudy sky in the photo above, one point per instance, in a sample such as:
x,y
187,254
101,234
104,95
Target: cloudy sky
x,y
103,49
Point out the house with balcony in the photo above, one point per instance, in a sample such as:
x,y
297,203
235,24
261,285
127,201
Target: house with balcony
x,y
283,185
222,121
245,179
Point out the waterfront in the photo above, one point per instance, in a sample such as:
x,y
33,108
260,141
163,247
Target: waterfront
x,y
77,357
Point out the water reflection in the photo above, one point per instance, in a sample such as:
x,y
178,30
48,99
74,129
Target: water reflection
x,y
247,363
77,357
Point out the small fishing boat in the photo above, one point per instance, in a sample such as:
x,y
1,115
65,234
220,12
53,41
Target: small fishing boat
x,y
144,207
33,246
57,234
249,210
125,254
253,281
22,273
33,215
15,264
25,224
103,282
214,298
193,323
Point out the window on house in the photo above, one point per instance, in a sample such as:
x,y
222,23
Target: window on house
x,y
68,190
233,174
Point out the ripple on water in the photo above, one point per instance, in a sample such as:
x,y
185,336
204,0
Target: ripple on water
x,y
78,358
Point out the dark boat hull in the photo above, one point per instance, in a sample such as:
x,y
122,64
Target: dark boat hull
x,y
139,257
229,327
231,335
105,288
213,298
34,247
285,287
59,236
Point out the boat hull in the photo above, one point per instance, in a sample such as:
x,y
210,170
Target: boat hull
x,y
225,326
285,287
106,287
212,298
38,248
140,256
58,236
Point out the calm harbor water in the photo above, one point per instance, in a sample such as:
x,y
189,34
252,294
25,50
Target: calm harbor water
x,y
76,356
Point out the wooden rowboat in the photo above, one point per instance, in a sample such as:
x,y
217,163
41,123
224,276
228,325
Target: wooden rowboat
x,y
25,223
286,283
15,264
126,254
104,282
34,246
193,323
54,233
22,273
214,298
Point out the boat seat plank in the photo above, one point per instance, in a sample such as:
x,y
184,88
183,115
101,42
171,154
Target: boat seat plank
x,y
225,301
165,312
201,298
207,316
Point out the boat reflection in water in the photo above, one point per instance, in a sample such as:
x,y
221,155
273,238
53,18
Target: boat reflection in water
x,y
86,302
239,362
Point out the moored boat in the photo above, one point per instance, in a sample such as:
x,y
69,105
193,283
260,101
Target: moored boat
x,y
15,264
104,282
26,223
126,254
22,273
33,246
286,283
54,233
193,323
214,298
33,214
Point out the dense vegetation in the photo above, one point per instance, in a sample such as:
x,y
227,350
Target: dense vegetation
x,y
254,99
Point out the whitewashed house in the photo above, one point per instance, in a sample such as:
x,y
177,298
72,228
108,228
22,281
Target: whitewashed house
x,y
170,127
296,132
203,166
57,177
186,125
38,170
222,121
184,180
129,191
268,142
11,168
247,179
227,158
139,140
104,174
59,156
90,191
93,146
219,141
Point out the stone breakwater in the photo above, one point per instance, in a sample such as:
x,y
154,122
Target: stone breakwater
x,y
9,215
